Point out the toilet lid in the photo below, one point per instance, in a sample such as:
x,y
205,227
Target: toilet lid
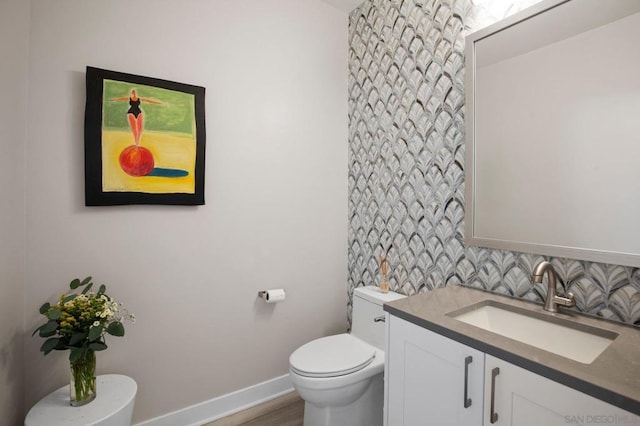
x,y
332,356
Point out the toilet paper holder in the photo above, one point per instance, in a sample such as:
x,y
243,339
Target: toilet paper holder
x,y
273,295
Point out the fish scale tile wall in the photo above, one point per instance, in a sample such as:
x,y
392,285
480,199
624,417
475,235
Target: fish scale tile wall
x,y
406,163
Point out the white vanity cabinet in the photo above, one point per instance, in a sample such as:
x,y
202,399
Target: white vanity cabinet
x,y
433,380
430,379
515,396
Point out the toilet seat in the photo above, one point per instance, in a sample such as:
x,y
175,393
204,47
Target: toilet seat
x,y
332,356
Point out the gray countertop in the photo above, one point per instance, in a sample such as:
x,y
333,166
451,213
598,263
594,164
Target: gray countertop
x,y
614,376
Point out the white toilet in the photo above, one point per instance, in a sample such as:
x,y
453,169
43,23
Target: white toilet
x,y
341,377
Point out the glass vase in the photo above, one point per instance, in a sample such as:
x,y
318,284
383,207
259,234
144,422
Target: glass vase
x,y
83,379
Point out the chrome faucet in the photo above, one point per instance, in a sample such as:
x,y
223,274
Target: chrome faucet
x,y
553,300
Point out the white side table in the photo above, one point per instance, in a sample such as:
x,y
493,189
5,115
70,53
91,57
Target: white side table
x,y
113,406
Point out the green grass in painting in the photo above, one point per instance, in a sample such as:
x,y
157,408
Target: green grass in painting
x,y
175,114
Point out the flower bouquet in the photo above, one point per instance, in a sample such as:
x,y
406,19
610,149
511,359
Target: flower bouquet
x,y
79,322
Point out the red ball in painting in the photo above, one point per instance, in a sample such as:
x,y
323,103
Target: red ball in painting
x,y
136,160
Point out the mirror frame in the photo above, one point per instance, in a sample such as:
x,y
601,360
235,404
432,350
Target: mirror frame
x,y
471,239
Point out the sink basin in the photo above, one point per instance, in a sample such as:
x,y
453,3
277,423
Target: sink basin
x,y
571,340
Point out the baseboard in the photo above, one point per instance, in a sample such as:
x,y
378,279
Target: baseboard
x,y
224,405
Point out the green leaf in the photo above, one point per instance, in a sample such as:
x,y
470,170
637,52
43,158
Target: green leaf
x,y
69,297
77,338
54,314
74,284
95,332
47,333
38,329
87,288
97,346
85,281
48,329
75,353
49,345
44,308
116,329
102,289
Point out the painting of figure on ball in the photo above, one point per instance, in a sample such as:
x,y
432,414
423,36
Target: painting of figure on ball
x,y
144,140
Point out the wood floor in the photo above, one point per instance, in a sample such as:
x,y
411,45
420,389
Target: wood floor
x,y
287,410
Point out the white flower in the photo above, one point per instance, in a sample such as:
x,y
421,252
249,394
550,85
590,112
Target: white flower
x,y
96,323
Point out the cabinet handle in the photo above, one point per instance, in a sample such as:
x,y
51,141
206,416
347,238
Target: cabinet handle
x,y
493,415
467,401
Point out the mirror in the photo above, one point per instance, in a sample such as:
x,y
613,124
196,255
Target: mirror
x,y
553,132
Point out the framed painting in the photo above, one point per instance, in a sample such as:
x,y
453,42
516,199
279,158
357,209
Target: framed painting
x,y
144,140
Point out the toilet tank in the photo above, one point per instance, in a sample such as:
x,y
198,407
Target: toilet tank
x,y
367,305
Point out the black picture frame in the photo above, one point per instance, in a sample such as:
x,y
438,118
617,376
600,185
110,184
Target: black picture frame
x,y
96,136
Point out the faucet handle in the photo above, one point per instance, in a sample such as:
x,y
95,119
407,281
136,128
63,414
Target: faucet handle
x,y
571,297
569,300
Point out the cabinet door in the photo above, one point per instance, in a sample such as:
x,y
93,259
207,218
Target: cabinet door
x,y
426,375
523,398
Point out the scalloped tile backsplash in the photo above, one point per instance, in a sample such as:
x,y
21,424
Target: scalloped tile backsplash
x,y
406,163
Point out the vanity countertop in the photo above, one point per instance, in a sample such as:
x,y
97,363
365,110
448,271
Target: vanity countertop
x,y
614,376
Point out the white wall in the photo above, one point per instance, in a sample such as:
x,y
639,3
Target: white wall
x,y
14,31
276,191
